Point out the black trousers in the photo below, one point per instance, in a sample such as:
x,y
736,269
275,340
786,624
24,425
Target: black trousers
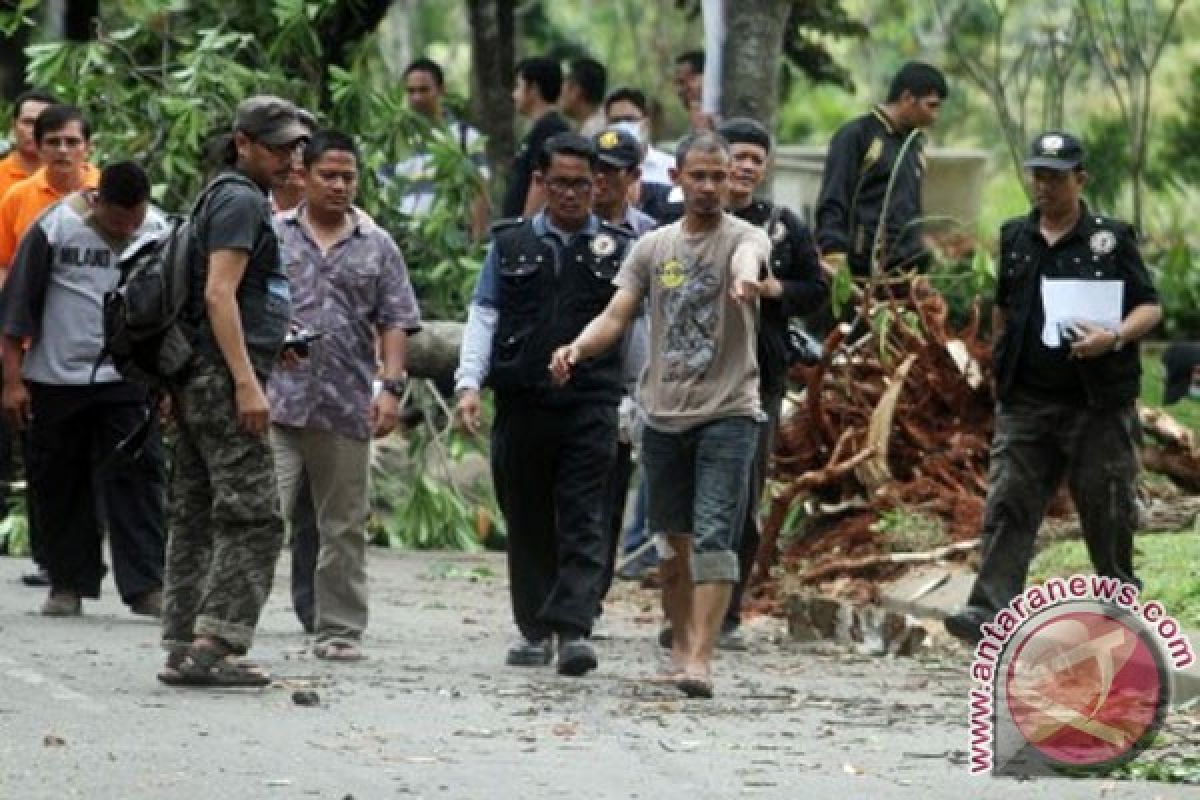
x,y
77,478
772,405
305,543
1036,444
615,494
550,467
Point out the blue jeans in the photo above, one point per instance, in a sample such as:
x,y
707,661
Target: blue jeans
x,y
697,485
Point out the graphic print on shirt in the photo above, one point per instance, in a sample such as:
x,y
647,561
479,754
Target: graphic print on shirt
x,y
691,312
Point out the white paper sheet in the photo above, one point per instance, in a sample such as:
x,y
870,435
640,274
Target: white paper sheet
x,y
1068,300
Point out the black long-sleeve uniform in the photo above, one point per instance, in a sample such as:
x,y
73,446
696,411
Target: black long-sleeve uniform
x,y
861,159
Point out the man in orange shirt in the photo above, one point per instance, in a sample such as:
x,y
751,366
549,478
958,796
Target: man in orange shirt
x,y
63,140
23,160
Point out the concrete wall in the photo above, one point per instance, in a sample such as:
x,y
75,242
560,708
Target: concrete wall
x,y
953,184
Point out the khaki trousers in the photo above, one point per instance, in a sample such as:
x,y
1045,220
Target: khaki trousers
x,y
337,468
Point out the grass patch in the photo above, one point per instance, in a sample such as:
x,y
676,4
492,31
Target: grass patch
x,y
1186,411
1168,564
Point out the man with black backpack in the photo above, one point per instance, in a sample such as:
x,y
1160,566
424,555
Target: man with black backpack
x,y
226,528
78,413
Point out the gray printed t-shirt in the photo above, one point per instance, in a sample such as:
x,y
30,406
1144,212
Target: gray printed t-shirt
x,y
702,344
55,293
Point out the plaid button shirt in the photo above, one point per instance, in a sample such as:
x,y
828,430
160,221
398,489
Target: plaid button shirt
x,y
359,287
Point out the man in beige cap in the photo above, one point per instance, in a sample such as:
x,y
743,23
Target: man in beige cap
x,y
226,530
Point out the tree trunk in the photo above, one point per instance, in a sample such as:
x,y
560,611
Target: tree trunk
x,y
751,57
492,63
433,353
347,25
79,20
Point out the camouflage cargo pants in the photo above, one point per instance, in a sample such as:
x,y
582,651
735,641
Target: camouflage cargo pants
x,y
226,529
1036,444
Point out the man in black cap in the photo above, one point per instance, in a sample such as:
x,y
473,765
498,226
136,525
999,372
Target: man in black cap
x,y
225,525
794,286
1066,386
618,171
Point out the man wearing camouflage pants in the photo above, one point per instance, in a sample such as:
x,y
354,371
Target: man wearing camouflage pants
x,y
226,528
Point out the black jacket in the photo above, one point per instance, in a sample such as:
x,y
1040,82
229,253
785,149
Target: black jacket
x,y
1098,248
547,294
797,265
862,157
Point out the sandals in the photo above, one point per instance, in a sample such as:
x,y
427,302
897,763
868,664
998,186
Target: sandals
x,y
211,667
338,651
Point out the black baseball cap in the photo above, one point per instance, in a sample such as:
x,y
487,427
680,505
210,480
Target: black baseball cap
x,y
1056,150
1179,359
618,148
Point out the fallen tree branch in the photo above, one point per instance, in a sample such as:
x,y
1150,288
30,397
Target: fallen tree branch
x,y
842,566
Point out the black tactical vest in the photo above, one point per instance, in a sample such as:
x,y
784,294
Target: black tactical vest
x,y
548,293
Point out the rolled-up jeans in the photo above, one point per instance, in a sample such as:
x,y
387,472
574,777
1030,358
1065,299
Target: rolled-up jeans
x,y
696,484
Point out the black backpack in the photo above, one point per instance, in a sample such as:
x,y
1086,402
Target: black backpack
x,y
145,334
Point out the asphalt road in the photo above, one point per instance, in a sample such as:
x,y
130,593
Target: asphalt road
x,y
433,713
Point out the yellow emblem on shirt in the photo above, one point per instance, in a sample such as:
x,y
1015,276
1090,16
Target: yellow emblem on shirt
x,y
671,274
608,140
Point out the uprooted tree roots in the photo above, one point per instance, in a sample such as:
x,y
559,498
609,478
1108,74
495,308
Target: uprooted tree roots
x,y
895,420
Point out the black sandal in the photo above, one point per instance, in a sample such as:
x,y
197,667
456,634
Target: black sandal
x,y
209,666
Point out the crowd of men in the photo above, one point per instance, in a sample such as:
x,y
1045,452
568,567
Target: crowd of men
x,y
633,306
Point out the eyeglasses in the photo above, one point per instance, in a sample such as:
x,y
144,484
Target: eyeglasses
x,y
565,185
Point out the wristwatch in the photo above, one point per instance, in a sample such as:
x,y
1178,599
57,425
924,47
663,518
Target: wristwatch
x,y
395,386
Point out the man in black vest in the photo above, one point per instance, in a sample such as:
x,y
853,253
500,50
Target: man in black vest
x,y
795,286
1067,388
552,448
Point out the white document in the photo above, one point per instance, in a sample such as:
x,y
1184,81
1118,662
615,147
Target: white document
x,y
1068,300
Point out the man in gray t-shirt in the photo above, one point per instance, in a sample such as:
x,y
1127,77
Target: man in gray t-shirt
x,y
226,528
77,409
699,391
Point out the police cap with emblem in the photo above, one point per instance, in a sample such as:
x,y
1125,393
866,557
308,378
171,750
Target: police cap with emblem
x,y
1056,150
618,148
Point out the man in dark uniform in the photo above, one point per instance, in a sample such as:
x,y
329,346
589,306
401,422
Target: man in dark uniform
x,y
794,287
1066,388
863,156
539,81
552,447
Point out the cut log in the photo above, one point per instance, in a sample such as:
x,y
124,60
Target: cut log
x,y
433,353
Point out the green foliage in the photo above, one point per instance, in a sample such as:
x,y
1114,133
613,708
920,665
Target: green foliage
x,y
416,500
1181,139
1173,255
14,528
1168,564
908,531
964,282
1186,411
159,82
